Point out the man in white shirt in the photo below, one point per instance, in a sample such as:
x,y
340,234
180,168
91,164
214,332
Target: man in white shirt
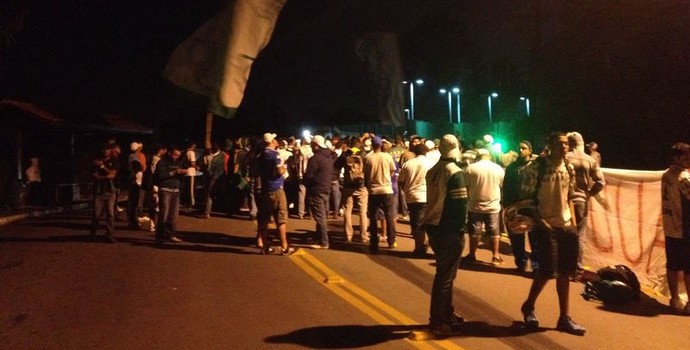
x,y
484,180
412,182
378,169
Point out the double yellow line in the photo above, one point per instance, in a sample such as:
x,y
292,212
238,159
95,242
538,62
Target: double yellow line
x,y
370,305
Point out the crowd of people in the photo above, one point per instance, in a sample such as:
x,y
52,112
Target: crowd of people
x,y
443,187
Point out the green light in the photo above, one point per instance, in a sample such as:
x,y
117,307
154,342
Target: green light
x,y
497,147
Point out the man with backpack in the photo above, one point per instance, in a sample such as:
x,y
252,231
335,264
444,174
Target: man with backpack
x,y
550,182
352,161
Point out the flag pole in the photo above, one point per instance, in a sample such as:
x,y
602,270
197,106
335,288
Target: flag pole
x,y
209,127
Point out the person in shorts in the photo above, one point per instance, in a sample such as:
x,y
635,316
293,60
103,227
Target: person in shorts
x,y
273,201
675,211
550,182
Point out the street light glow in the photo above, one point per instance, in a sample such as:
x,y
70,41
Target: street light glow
x,y
456,90
450,104
526,99
488,101
418,82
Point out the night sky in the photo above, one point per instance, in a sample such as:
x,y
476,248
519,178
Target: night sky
x,y
617,71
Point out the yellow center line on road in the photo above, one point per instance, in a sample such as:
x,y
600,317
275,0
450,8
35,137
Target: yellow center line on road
x,y
370,305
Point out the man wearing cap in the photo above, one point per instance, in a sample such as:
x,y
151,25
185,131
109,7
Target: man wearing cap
x,y
589,180
378,169
273,202
484,180
303,153
136,164
317,179
444,221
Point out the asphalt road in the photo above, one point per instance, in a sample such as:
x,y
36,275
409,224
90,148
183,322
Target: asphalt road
x,y
60,290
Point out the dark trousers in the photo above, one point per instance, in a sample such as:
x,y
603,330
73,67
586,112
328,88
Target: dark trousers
x,y
318,205
169,204
447,248
103,204
133,204
418,231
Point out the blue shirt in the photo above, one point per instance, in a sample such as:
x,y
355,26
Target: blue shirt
x,y
270,179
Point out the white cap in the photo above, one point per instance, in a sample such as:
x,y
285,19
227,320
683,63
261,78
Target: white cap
x,y
135,146
449,147
320,141
269,137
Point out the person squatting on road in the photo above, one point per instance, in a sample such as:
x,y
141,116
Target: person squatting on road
x,y
444,221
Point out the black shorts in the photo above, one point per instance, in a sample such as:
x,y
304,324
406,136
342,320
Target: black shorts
x,y
558,249
678,254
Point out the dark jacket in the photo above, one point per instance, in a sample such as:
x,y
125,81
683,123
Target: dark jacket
x,y
166,173
319,171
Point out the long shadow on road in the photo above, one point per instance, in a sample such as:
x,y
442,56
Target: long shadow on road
x,y
343,337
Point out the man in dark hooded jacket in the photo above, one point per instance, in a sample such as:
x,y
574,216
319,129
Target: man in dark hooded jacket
x,y
317,179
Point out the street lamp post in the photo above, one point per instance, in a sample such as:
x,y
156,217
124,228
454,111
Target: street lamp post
x,y
488,100
412,83
526,99
456,91
450,104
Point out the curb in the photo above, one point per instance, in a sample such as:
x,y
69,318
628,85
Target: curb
x,y
34,214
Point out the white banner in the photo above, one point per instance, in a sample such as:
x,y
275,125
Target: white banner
x,y
624,226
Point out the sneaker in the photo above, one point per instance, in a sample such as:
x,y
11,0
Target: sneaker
x,y
567,325
393,245
530,318
287,251
496,261
152,228
266,251
320,246
677,306
469,259
174,239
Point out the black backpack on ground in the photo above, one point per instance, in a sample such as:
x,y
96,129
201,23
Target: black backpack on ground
x,y
613,285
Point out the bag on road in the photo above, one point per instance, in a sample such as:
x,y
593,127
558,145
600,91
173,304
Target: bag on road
x,y
613,285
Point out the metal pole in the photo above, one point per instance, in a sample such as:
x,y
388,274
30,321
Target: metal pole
x,y
412,100
450,108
